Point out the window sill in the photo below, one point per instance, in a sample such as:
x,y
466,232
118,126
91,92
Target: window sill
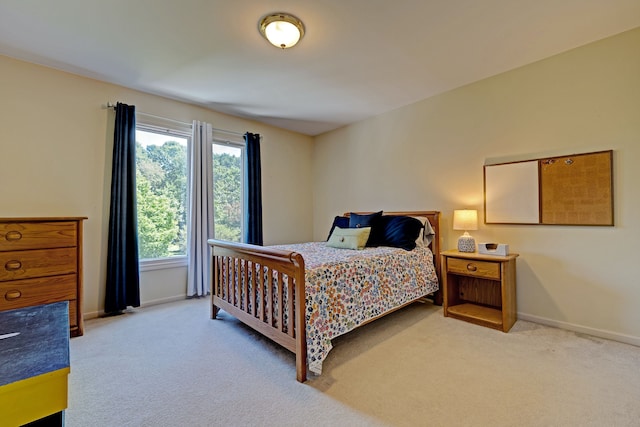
x,y
163,263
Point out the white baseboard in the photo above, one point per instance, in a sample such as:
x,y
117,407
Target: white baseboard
x,y
100,313
163,300
600,333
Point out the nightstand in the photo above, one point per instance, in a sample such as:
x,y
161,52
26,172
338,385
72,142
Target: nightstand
x,y
480,289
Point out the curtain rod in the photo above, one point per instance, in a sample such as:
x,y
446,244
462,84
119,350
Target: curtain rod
x,y
113,106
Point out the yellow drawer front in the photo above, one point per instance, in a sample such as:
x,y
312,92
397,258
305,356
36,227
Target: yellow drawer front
x,y
34,398
467,267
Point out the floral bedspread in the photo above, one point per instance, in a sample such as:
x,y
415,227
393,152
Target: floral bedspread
x,y
345,288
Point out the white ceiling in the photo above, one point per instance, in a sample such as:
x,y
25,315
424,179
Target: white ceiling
x,y
358,58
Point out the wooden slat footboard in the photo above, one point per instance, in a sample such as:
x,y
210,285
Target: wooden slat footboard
x,y
265,289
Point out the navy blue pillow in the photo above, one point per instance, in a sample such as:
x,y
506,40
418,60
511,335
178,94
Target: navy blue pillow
x,y
377,235
360,220
367,220
339,221
400,232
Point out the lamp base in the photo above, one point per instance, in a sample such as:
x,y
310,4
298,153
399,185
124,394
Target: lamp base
x,y
466,243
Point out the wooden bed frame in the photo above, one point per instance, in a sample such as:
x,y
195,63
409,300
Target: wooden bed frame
x,y
235,265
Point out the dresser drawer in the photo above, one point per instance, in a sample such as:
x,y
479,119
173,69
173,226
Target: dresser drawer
x,y
467,267
44,262
73,314
36,235
44,290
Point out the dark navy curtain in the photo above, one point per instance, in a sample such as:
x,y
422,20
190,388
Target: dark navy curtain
x,y
253,191
123,281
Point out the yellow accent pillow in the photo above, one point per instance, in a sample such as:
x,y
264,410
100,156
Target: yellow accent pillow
x,y
349,238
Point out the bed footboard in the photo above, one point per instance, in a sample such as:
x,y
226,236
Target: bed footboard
x,y
265,289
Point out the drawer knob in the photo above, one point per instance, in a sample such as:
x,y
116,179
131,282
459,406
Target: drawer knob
x,y
471,267
12,295
13,265
13,236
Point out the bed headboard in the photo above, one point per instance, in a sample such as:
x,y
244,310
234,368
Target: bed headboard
x,y
434,219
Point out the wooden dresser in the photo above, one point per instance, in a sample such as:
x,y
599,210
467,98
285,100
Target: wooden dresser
x,y
41,263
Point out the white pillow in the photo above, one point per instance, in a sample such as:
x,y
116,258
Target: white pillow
x,y
349,238
426,235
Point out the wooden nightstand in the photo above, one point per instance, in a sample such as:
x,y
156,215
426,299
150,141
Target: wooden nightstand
x,y
480,289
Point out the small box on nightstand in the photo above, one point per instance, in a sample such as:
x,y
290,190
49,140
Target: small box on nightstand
x,y
501,249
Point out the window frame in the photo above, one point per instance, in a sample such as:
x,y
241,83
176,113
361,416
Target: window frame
x,y
216,140
169,129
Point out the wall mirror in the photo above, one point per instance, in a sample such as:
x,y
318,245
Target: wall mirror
x,y
565,190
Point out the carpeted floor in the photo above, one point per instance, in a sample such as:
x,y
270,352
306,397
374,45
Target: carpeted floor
x,y
170,365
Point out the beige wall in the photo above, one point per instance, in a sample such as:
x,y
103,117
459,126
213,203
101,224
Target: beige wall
x,y
55,160
430,155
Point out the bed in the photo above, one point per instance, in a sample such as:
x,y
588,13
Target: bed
x,y
303,295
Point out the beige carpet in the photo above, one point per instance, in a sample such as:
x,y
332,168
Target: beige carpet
x,y
170,365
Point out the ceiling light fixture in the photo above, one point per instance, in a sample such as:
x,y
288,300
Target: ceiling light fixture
x,y
281,29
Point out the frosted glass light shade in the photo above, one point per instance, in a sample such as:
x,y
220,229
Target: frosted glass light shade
x,y
281,29
465,219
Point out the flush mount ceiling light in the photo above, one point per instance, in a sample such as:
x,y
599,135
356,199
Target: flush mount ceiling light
x,y
281,29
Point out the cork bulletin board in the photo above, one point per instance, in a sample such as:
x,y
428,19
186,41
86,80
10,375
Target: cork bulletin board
x,y
564,190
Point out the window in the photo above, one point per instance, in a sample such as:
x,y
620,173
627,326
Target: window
x,y
228,190
161,180
162,193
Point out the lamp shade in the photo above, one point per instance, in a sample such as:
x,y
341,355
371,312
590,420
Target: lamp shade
x,y
281,29
465,219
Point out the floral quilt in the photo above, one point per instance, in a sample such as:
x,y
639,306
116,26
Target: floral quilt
x,y
345,288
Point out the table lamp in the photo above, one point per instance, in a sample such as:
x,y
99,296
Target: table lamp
x,y
465,219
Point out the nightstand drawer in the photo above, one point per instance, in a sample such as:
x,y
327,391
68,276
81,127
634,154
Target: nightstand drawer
x,y
43,262
468,267
36,235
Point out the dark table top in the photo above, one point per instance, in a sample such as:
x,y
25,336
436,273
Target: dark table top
x,y
41,346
